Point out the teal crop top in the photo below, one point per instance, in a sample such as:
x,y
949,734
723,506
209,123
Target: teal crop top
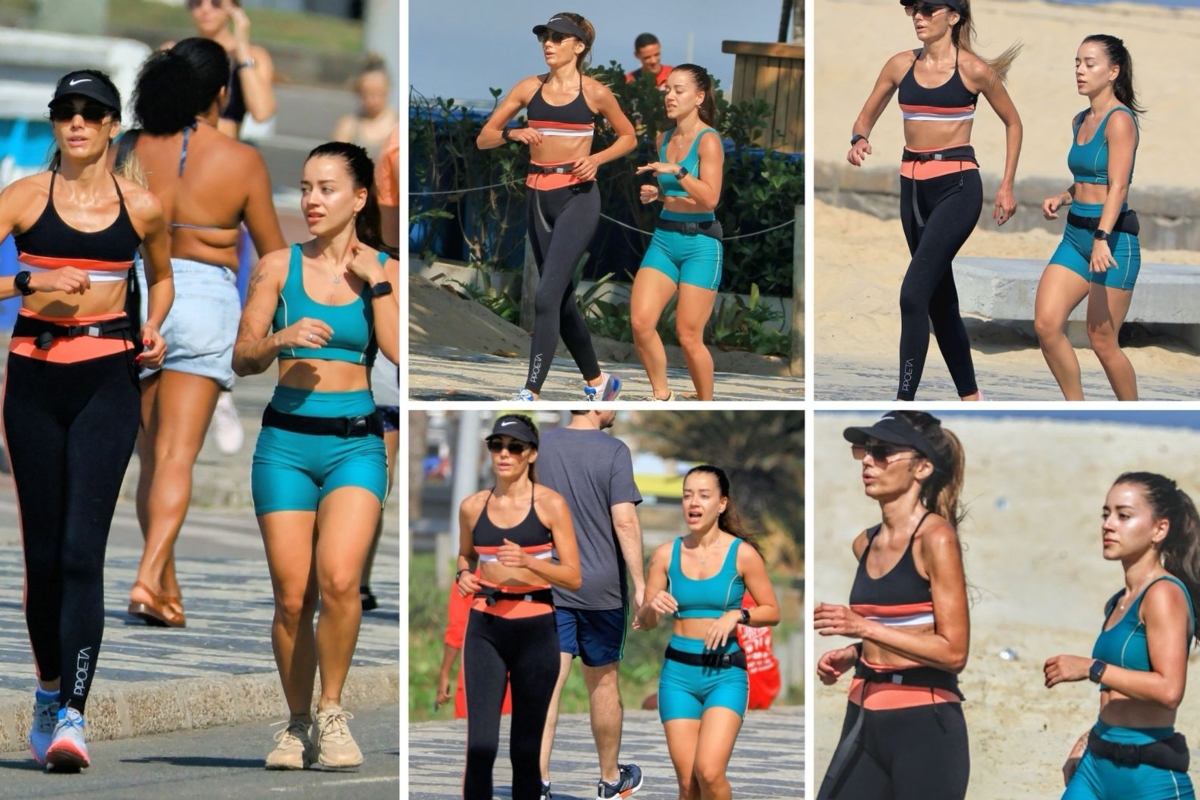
x,y
708,598
1089,162
1124,644
668,183
353,323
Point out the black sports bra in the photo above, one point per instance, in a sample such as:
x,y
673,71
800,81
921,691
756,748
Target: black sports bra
x,y
572,119
949,102
900,597
530,534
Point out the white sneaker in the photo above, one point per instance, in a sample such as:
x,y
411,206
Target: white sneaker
x,y
293,748
335,746
67,751
227,425
45,718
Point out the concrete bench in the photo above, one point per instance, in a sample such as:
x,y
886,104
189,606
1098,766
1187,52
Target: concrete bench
x,y
1005,288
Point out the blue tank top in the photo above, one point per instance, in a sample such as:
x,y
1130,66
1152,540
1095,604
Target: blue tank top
x,y
711,597
691,162
1089,162
353,323
1124,644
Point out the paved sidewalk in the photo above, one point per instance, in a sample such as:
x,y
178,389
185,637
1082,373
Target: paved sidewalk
x,y
448,373
767,762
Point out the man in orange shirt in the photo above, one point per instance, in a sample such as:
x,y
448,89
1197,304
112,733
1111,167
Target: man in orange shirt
x,y
387,188
648,51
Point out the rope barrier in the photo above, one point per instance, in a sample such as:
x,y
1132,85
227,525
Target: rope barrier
x,y
465,191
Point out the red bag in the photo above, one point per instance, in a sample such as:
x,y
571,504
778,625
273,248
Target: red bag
x,y
761,664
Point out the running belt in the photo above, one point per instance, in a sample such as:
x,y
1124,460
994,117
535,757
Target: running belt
x,y
949,102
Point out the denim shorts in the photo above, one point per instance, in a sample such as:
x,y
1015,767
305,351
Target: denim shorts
x,y
202,324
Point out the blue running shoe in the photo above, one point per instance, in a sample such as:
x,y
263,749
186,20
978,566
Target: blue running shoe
x,y
609,388
523,396
45,717
630,781
68,751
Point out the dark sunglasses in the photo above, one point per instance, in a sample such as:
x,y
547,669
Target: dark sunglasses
x,y
91,112
194,4
879,453
515,448
926,10
554,36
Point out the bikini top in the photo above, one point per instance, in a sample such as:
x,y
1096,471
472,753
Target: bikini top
x,y
1124,644
706,598
572,119
235,101
668,183
353,323
1089,162
530,534
949,102
899,597
50,243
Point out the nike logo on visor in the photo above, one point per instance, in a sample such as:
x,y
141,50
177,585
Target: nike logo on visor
x,y
80,80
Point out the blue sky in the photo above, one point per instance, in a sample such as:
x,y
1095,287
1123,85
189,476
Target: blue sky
x,y
461,48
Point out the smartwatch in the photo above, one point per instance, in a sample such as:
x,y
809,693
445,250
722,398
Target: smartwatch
x,y
21,282
745,616
855,139
381,289
458,574
506,134
1096,671
1100,235
682,173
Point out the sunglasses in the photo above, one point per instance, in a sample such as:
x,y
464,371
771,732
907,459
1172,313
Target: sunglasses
x,y
880,453
91,112
926,10
515,448
194,4
554,36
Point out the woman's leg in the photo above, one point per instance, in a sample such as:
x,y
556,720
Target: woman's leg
x,y
651,292
682,737
289,538
861,775
1106,310
485,676
1058,292
534,664
718,731
691,315
930,754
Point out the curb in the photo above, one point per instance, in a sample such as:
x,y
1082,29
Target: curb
x,y
126,711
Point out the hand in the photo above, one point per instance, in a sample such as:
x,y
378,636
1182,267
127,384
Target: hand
x,y
1072,762
647,193
305,332
1064,669
365,264
721,629
835,620
1006,205
241,26
1101,257
468,583
525,136
155,347
585,168
659,168
639,597
510,554
664,603
859,152
835,663
443,690
70,280
1051,205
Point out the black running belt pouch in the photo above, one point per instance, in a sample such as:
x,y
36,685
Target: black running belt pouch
x,y
1127,222
709,659
710,228
926,677
1170,753
494,594
345,427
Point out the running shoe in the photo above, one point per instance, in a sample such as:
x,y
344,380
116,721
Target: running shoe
x,y
67,751
630,781
334,745
670,398
45,718
524,396
546,792
227,425
608,389
293,747
369,603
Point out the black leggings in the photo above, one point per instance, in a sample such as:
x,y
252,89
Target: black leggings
x,y
561,223
949,207
497,651
914,753
70,430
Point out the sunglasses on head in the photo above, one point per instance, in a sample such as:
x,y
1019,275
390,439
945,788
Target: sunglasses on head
x,y
91,112
514,448
878,452
926,10
554,36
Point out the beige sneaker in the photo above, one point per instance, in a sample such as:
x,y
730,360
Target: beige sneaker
x,y
334,745
294,748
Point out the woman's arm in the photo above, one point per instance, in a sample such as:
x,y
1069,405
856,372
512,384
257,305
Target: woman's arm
x,y
656,584
492,134
992,88
758,584
256,78
605,102
259,211
386,307
881,94
468,559
553,512
256,348
1121,135
146,212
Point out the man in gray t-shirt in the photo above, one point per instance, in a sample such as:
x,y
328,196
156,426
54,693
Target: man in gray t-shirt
x,y
594,473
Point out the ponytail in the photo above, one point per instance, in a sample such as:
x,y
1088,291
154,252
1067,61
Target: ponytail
x,y
963,37
941,491
362,171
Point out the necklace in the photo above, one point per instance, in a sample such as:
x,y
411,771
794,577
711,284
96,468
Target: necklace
x,y
1121,605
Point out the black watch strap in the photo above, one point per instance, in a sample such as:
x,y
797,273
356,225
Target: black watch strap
x,y
1097,671
506,134
21,282
1100,235
745,616
380,289
682,173
855,139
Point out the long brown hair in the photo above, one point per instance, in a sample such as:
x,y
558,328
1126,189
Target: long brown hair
x,y
729,520
940,491
581,61
963,37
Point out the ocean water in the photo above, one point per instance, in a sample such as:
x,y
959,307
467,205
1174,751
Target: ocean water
x,y
1158,419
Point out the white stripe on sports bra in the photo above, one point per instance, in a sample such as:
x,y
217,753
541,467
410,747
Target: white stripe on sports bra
x,y
542,555
96,275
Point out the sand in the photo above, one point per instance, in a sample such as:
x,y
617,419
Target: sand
x,y
1033,559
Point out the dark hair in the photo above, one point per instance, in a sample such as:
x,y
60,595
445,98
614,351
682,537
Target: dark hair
x,y
1180,550
704,83
940,491
175,85
963,37
644,40
56,157
362,171
729,520
1118,54
525,418
581,61
373,62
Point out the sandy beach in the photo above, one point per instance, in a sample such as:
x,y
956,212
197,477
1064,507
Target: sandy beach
x,y
1039,582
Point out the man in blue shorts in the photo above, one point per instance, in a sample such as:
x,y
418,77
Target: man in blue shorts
x,y
594,473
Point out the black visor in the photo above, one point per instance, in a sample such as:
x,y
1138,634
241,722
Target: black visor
x,y
892,429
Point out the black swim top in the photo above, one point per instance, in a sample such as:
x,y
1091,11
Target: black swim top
x,y
50,243
235,101
950,102
574,119
530,534
900,597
